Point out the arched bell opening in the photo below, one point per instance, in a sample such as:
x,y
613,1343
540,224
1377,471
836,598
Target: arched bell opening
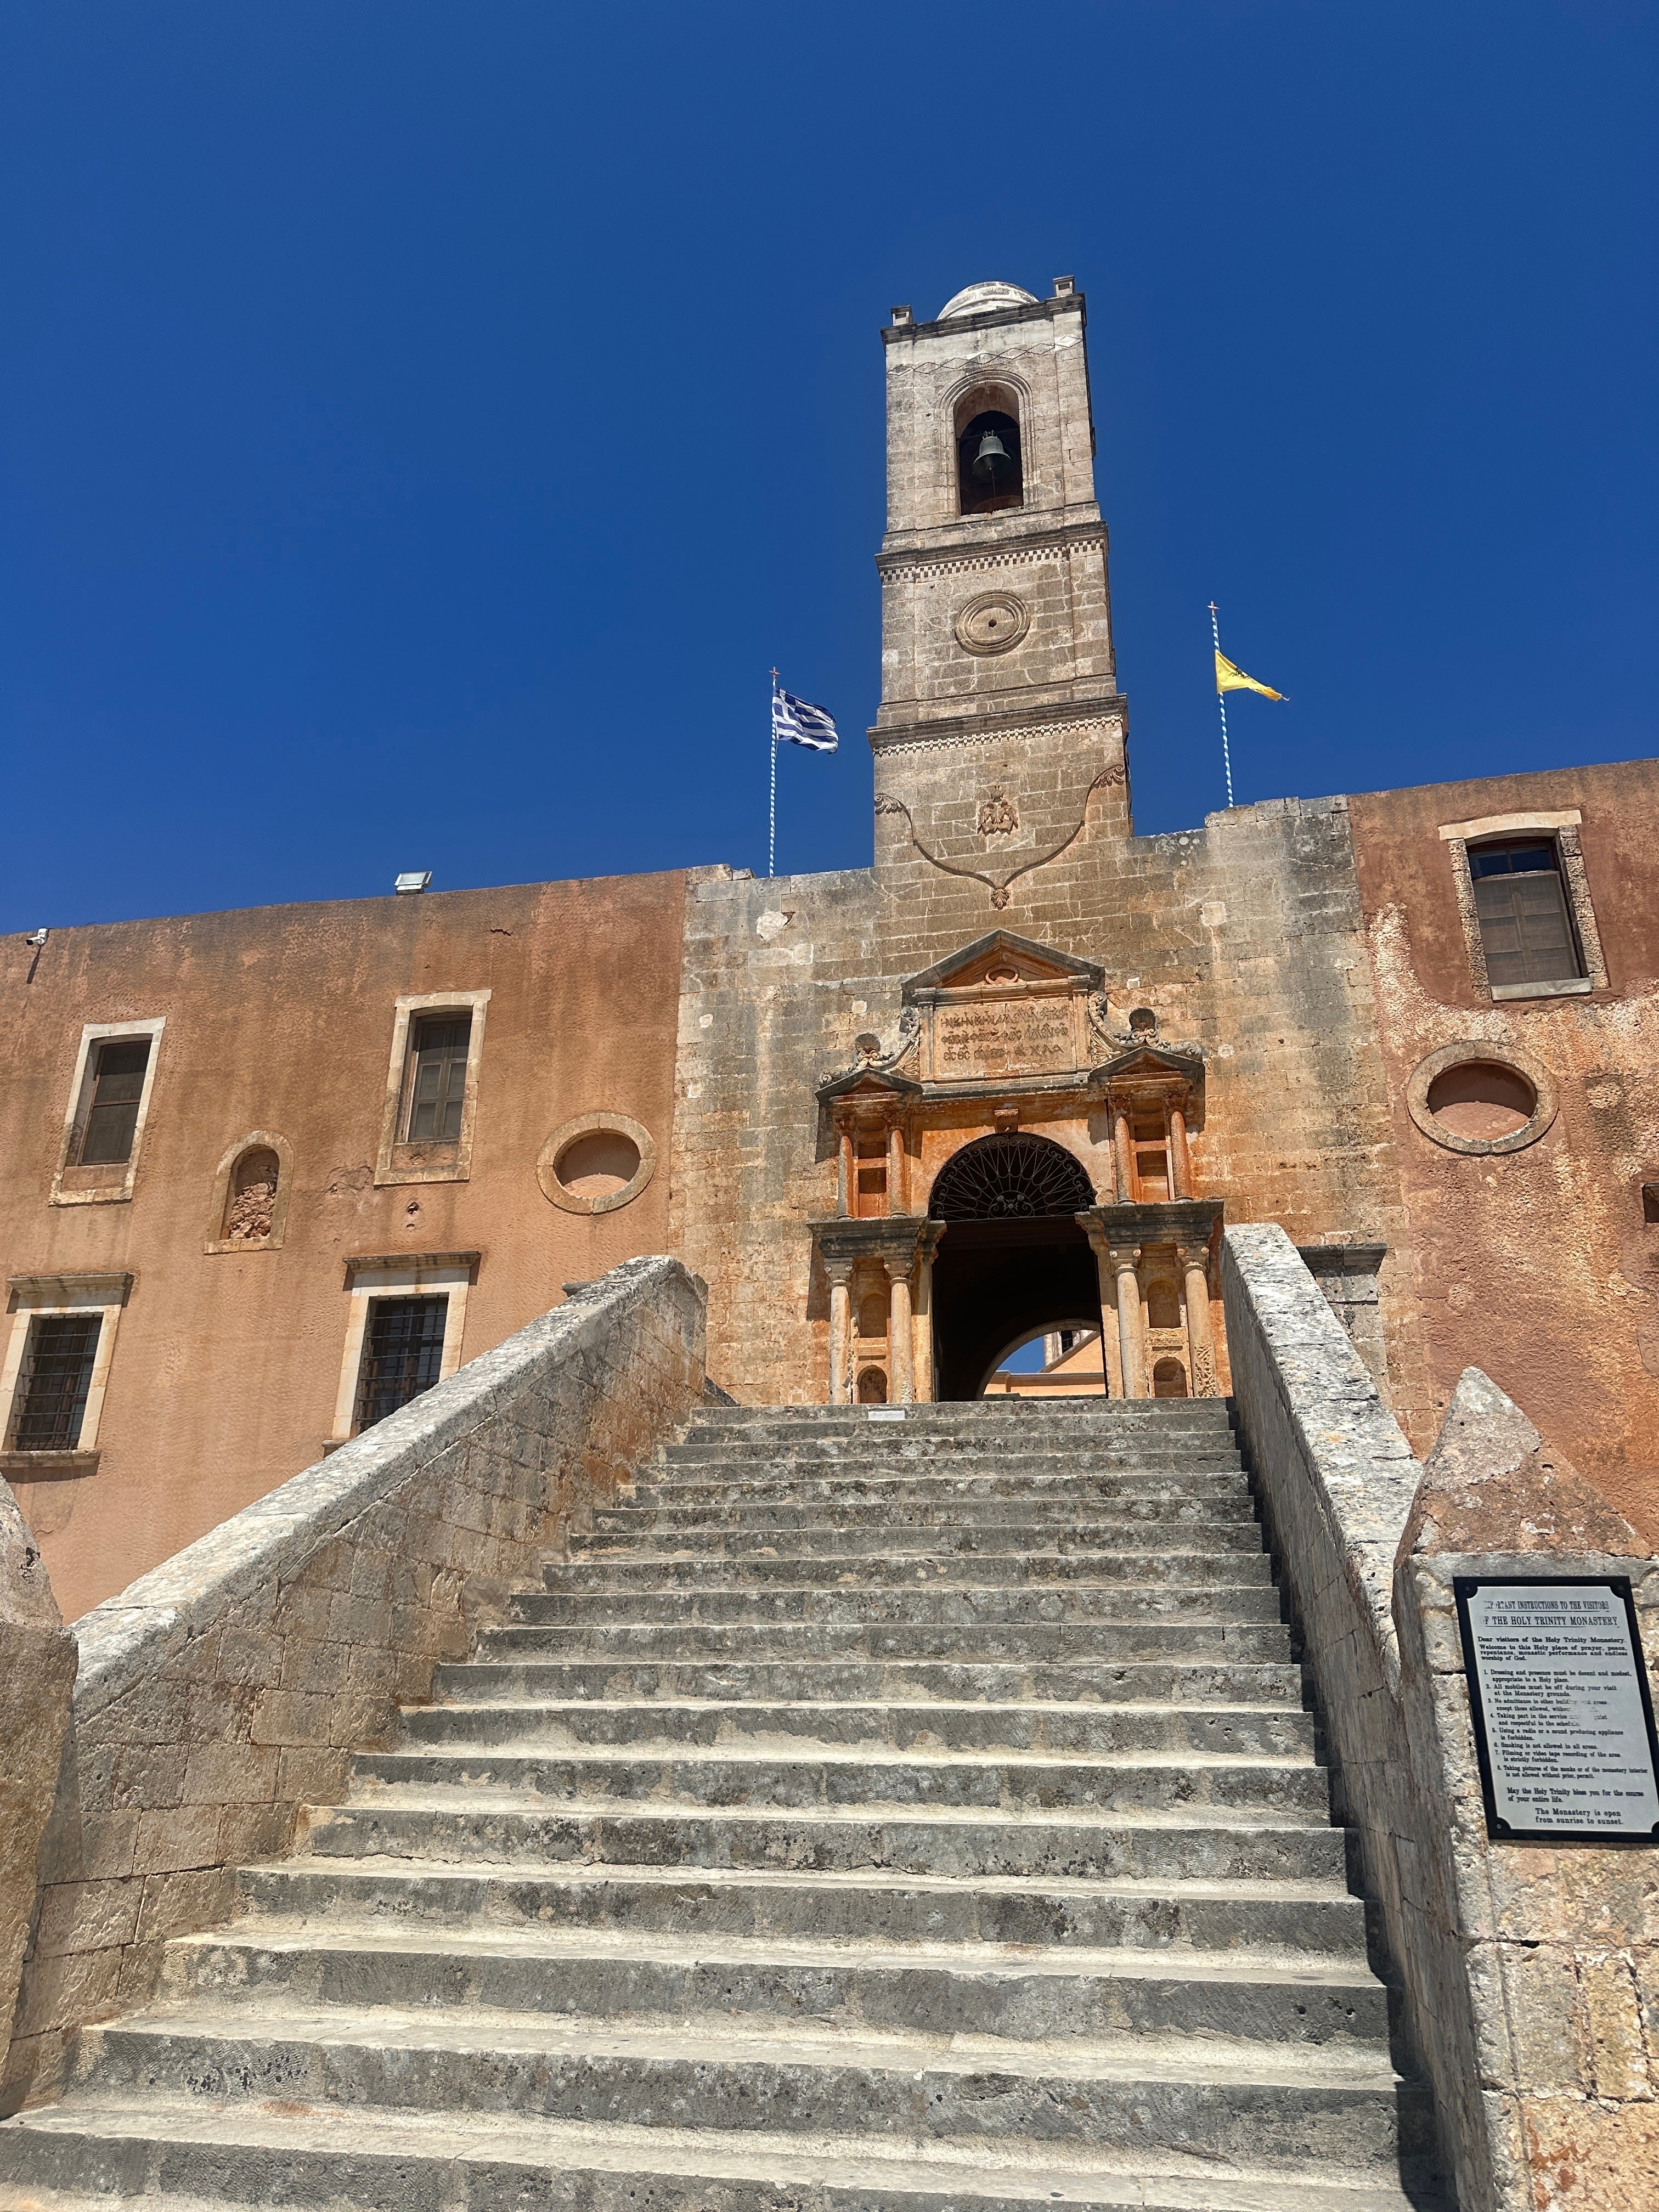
x,y
1014,1264
990,472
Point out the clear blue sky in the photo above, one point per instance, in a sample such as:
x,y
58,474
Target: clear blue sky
x,y
424,424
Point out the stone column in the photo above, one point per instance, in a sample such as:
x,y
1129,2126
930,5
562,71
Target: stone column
x,y
844,1172
1110,1353
901,1349
1123,1142
897,1197
924,1332
1181,1160
1201,1337
1132,1349
839,1271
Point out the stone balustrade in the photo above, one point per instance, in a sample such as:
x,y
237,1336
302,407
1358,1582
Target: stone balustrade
x,y
223,1694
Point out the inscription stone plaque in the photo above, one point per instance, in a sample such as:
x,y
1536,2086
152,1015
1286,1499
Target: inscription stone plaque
x,y
1008,1037
1563,1717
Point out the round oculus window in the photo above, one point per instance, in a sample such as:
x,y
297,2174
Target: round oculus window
x,y
1482,1098
596,1162
1479,1098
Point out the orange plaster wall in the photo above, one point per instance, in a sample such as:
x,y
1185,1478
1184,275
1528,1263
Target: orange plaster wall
x,y
227,1366
1536,1266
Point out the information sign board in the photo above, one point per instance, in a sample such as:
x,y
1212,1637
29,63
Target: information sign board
x,y
1563,1717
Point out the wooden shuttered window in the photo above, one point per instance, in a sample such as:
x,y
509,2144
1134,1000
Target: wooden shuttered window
x,y
1526,930
437,1089
118,1086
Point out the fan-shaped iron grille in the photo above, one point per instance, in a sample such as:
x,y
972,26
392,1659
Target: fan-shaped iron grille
x,y
1011,1178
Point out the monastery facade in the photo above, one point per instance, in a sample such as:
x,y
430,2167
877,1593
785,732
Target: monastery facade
x,y
266,1174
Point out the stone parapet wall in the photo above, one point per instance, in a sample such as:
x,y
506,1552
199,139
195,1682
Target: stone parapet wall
x,y
221,1694
1528,1973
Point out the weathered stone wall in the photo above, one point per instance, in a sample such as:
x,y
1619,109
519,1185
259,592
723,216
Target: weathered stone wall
x,y
37,1676
1527,1972
222,1693
1537,1266
1245,935
281,1019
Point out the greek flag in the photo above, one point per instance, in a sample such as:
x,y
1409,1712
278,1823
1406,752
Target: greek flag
x,y
795,723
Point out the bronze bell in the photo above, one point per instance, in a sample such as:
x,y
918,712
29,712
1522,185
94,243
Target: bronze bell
x,y
991,451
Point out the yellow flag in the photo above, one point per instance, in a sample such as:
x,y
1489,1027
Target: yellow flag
x,y
1229,678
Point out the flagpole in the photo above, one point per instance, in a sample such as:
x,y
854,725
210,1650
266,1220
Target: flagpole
x,y
1221,701
772,815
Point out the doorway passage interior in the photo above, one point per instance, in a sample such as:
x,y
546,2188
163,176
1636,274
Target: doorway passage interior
x,y
1015,1260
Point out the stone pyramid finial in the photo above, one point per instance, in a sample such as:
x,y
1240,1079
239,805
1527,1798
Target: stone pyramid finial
x,y
1491,1484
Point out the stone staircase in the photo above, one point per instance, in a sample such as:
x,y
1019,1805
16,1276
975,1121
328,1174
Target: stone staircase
x,y
877,1812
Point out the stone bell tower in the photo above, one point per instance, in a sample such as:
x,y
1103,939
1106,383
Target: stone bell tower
x,y
1000,733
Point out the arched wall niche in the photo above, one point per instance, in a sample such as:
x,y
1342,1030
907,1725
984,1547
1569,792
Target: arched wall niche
x,y
251,1189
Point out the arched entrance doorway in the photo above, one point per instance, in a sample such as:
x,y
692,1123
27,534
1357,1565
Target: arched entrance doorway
x,y
1015,1260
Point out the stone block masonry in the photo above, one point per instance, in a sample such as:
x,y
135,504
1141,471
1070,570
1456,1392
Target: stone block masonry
x,y
223,1694
1527,1972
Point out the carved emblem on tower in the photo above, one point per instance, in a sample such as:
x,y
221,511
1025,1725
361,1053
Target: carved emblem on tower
x,y
998,817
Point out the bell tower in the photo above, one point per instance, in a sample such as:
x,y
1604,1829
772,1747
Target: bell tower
x,y
1001,729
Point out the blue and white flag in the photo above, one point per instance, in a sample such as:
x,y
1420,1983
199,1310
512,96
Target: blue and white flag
x,y
795,723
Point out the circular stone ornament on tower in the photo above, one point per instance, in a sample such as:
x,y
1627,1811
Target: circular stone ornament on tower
x,y
596,1162
994,622
1481,1098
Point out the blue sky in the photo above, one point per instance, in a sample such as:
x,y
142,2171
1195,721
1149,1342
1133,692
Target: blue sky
x,y
425,424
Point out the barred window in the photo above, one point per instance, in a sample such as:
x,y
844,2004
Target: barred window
x,y
57,1375
1520,900
118,1086
437,1087
402,1354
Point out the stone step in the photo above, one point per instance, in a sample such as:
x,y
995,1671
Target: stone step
x,y
923,1458
181,2154
1224,1630
1093,1685
717,1537
1186,1730
1118,1427
620,1570
838,1777
942,1513
805,1486
1211,1843
1325,2104
1238,1587
957,1989
1315,1917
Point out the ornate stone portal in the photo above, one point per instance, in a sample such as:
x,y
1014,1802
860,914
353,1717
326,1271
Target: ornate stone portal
x,y
1007,1036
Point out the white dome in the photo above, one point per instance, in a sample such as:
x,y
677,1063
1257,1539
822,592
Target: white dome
x,y
978,299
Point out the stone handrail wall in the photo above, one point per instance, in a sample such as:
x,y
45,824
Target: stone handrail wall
x,y
223,1694
1336,1479
1525,1972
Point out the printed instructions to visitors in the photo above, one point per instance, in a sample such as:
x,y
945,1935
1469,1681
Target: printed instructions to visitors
x,y
1560,1703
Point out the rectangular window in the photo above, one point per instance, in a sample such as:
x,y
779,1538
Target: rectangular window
x,y
402,1354
118,1084
56,1374
437,1088
1521,903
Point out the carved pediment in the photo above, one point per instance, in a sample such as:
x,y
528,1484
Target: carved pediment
x,y
999,961
1152,1064
1003,1009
